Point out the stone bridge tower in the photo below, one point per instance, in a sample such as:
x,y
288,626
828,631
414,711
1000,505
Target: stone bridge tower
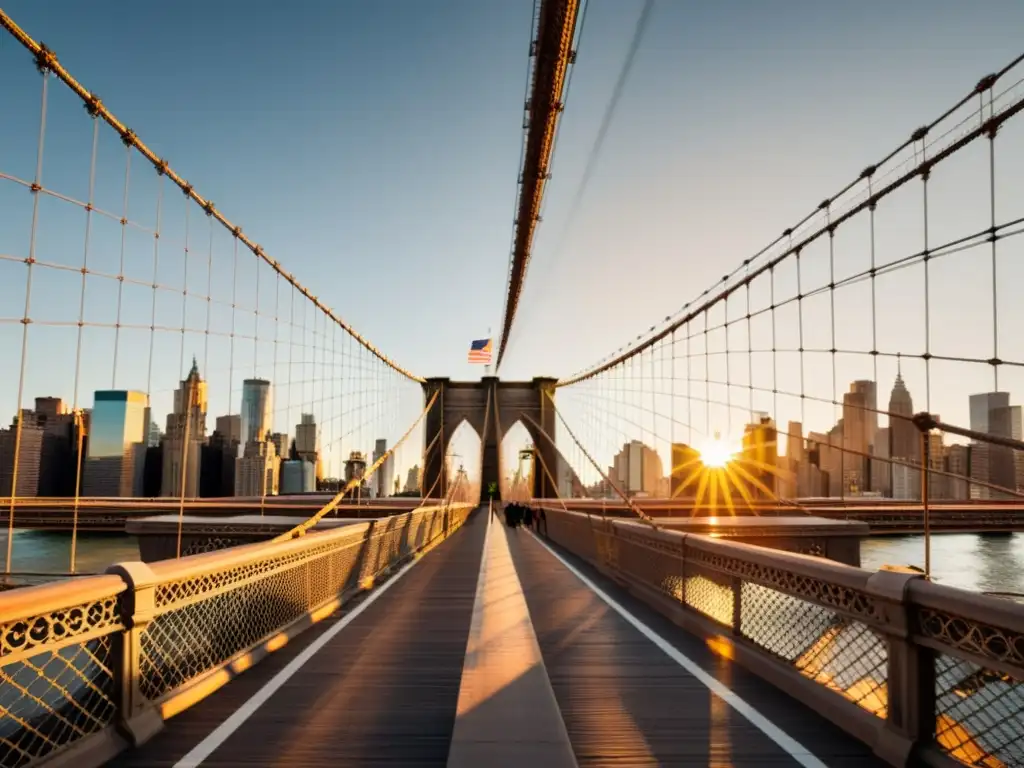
x,y
491,407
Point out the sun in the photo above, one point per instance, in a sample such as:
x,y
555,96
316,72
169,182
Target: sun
x,y
716,453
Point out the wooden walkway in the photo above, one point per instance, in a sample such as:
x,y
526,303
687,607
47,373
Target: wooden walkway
x,y
421,677
383,691
627,703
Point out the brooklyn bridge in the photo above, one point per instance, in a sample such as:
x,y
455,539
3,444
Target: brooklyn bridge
x,y
238,531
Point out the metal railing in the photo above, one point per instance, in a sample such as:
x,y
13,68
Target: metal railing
x,y
92,665
920,671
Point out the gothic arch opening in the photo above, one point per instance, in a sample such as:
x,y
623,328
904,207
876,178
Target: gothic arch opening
x,y
488,405
518,463
462,463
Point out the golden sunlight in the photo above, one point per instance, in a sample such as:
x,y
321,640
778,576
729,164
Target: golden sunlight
x,y
716,452
721,473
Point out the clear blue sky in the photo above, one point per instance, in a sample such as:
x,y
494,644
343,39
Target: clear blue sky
x,y
373,149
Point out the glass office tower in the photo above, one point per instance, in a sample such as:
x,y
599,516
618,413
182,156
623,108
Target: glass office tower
x,y
117,444
257,405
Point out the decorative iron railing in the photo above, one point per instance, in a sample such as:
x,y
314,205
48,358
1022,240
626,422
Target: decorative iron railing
x,y
92,664
920,671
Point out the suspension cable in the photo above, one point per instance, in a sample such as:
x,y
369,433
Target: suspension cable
x,y
47,60
302,528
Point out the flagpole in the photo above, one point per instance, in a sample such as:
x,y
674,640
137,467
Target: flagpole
x,y
487,368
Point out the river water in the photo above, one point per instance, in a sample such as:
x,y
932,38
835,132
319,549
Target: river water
x,y
50,552
979,563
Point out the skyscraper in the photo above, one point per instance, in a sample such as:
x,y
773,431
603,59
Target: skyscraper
x,y
217,475
686,468
63,436
760,456
938,483
257,470
881,473
869,391
857,437
383,477
412,479
638,469
185,435
117,442
992,464
280,441
257,410
29,449
297,476
795,441
905,440
904,443
230,428
958,463
307,443
1017,433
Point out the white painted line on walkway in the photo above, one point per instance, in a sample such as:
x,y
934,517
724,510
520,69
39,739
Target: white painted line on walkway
x,y
791,746
222,732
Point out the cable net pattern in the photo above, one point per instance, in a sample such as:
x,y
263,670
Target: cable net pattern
x,y
60,669
709,595
658,564
808,381
204,621
978,713
131,299
212,544
842,654
187,641
57,671
55,698
821,621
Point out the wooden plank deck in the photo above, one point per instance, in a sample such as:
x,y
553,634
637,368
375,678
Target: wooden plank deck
x,y
626,703
383,691
387,688
508,716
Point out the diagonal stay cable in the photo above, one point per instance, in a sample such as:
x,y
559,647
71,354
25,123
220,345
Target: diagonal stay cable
x,y
302,528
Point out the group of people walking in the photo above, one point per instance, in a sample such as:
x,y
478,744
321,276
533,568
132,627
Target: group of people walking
x,y
521,514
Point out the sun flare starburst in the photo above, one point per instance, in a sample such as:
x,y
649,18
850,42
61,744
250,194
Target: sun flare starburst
x,y
720,474
716,452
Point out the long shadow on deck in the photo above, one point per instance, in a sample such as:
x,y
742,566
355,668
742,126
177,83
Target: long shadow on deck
x,y
625,702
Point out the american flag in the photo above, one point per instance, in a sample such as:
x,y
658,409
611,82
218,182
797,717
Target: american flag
x,y
480,351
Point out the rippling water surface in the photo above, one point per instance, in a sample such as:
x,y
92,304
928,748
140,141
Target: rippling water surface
x,y
50,552
980,563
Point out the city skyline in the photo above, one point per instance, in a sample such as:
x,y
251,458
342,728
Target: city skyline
x,y
517,437
186,291
120,428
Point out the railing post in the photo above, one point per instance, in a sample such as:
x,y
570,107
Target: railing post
x,y
910,677
925,423
139,719
736,583
684,568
